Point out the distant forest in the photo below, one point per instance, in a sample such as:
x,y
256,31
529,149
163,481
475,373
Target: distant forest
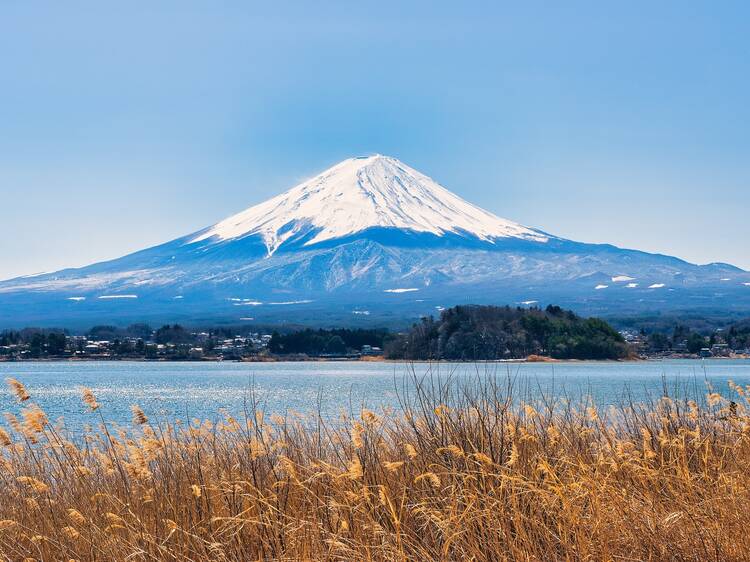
x,y
326,342
490,332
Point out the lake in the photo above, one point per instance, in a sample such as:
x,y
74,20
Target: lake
x,y
189,390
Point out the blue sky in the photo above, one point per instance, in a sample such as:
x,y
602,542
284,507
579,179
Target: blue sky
x,y
123,126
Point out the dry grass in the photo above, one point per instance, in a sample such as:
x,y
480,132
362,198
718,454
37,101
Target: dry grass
x,y
466,474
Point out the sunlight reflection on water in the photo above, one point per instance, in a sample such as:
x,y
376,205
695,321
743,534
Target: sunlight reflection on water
x,y
188,390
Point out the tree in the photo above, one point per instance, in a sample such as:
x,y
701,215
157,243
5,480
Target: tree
x,y
37,345
695,343
172,334
658,342
56,343
107,333
335,345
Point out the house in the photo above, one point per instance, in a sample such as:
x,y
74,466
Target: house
x,y
370,350
720,350
680,346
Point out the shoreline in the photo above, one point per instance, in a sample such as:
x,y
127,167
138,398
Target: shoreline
x,y
297,359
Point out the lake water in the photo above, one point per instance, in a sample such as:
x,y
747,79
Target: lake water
x,y
189,390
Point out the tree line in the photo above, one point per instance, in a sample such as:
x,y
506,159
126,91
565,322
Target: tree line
x,y
327,342
736,336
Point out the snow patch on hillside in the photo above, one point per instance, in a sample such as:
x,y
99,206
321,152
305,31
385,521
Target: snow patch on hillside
x,y
409,290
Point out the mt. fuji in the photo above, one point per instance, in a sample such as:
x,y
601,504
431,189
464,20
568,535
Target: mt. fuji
x,y
368,240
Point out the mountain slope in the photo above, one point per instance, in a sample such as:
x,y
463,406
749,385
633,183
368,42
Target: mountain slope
x,y
369,239
359,194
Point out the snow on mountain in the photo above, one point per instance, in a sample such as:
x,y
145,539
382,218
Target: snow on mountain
x,y
369,234
362,193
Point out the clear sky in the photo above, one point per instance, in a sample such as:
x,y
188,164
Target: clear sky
x,y
123,125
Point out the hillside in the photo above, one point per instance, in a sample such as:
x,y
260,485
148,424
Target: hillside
x,y
491,332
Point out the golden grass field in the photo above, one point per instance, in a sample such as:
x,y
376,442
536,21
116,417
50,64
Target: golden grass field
x,y
463,473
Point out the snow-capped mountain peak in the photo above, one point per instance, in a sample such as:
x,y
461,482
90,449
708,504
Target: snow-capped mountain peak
x,y
362,193
395,244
